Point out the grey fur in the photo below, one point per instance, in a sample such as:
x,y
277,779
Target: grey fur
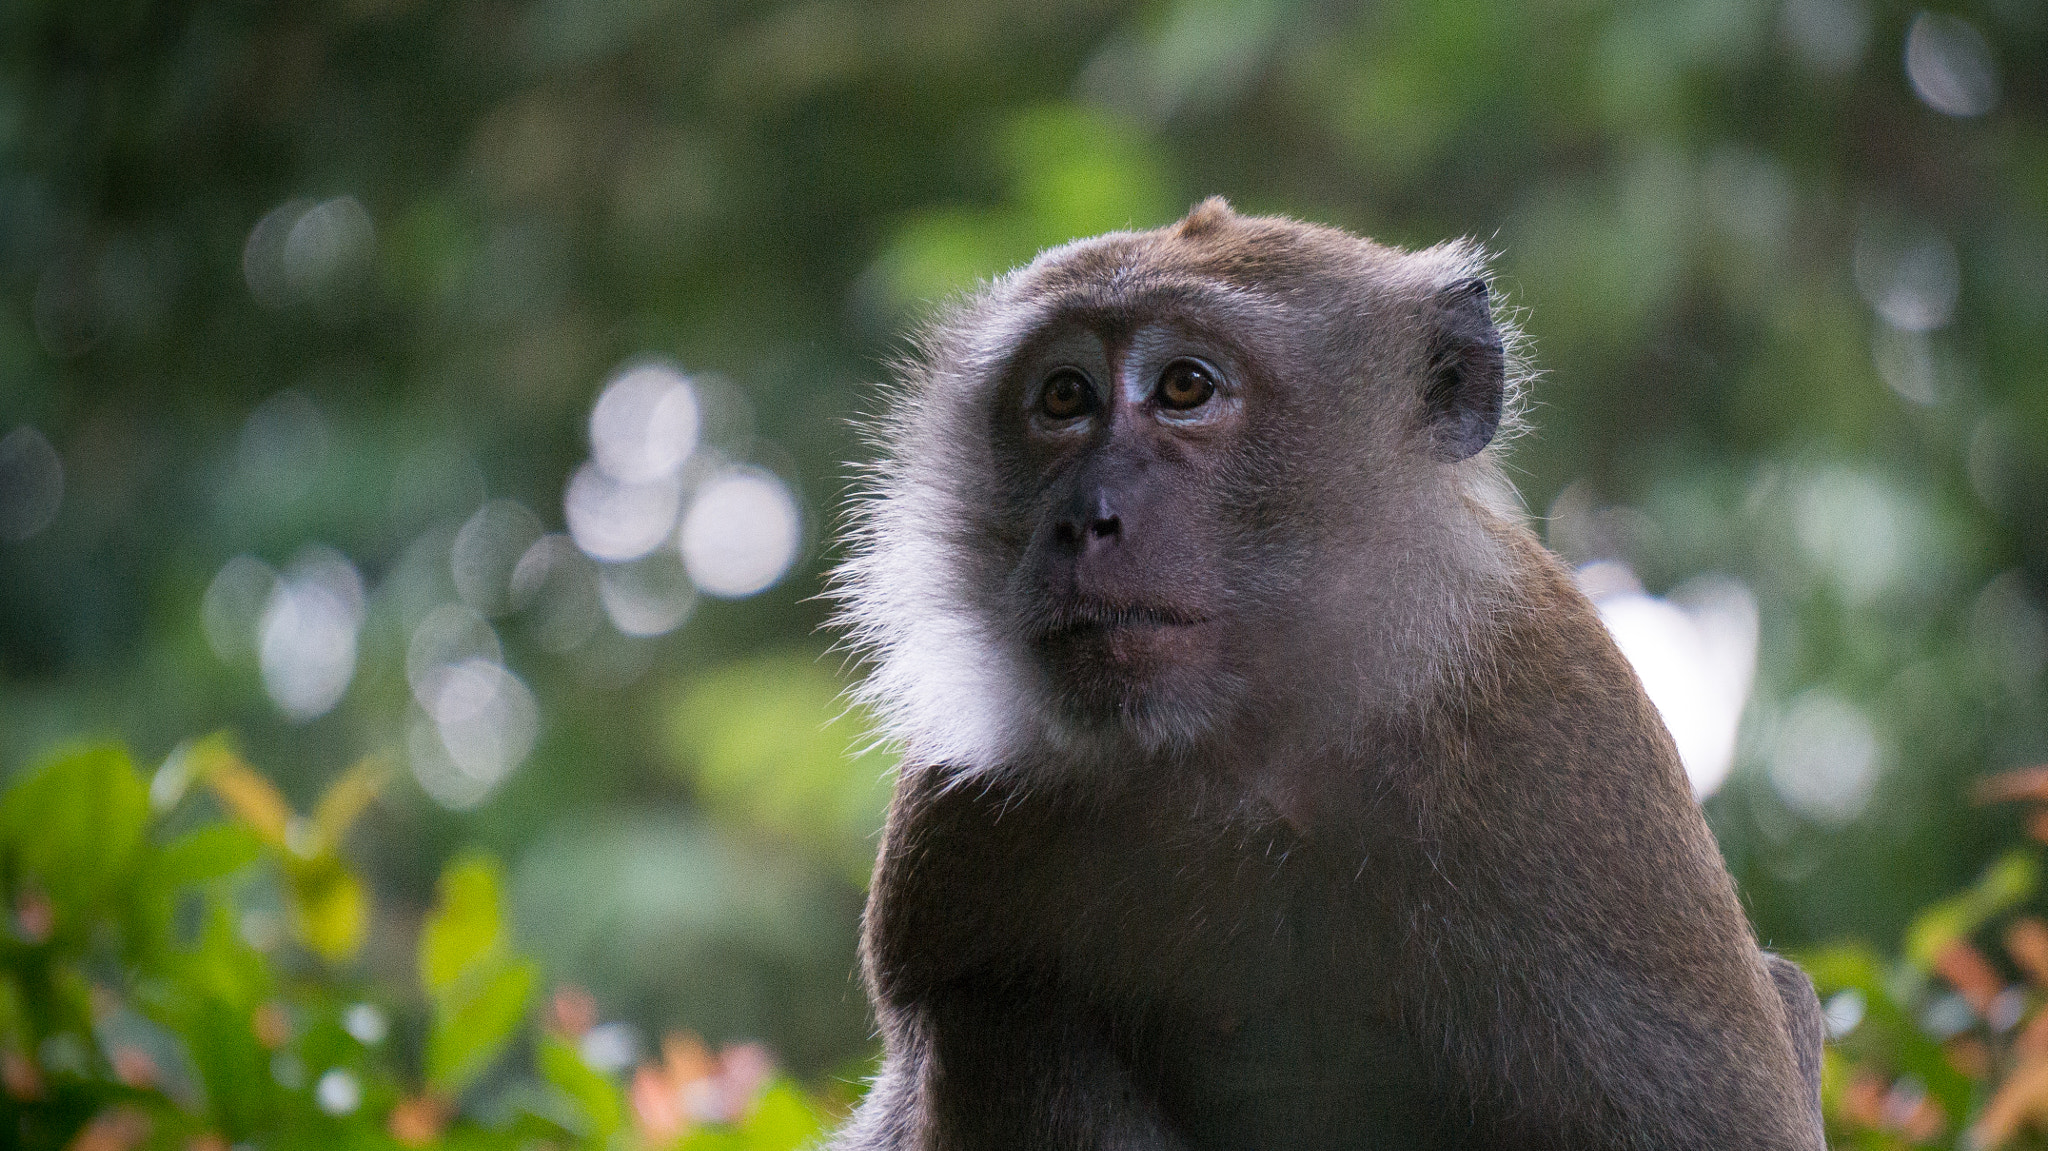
x,y
1266,784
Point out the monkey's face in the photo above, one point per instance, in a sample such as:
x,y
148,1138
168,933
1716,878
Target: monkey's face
x,y
1212,477
1158,482
1116,442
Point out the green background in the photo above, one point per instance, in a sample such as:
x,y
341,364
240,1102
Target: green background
x,y
770,197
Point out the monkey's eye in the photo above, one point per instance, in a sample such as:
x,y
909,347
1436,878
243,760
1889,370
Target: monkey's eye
x,y
1186,384
1066,394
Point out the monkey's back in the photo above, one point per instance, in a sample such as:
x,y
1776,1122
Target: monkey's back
x,y
1574,918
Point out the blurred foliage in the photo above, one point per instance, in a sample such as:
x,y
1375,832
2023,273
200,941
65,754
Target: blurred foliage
x,y
146,1001
304,310
759,755
1947,1046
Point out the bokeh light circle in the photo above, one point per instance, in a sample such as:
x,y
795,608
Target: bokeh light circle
x,y
741,533
450,636
306,644
616,521
481,723
644,424
31,483
487,550
1949,64
648,597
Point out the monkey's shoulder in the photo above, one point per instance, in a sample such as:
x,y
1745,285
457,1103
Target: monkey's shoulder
x,y
1550,716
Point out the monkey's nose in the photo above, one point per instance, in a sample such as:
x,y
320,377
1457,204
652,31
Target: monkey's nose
x,y
1088,523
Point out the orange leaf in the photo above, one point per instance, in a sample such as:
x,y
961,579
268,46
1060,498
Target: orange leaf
x,y
571,1012
133,1066
2027,942
1969,973
657,1107
2006,787
1969,1055
2020,1098
23,1081
2032,1041
1863,1100
418,1121
271,1025
249,796
685,1059
1924,1122
117,1130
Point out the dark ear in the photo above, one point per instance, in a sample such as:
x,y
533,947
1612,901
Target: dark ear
x,y
1467,371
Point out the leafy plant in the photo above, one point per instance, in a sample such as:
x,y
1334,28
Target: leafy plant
x,y
149,996
1947,1046
170,978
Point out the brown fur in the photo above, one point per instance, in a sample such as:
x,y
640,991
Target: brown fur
x,y
1388,850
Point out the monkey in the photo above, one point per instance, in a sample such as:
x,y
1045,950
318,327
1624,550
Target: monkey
x,y
1265,783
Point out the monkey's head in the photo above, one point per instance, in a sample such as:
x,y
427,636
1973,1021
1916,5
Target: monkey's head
x,y
1159,485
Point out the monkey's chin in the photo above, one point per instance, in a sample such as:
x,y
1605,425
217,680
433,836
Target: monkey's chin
x,y
1155,680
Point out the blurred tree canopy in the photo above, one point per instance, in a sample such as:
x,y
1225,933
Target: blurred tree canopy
x,y
304,310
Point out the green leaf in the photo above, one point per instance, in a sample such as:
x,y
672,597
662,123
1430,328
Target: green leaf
x,y
595,1097
76,823
13,1019
1889,1026
212,852
478,991
2003,886
224,968
466,928
782,1121
470,1030
772,742
195,860
345,799
1071,171
329,909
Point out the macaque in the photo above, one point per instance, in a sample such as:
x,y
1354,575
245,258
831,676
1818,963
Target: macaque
x,y
1266,784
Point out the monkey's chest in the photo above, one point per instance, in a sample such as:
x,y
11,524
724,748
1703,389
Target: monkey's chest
x,y
1251,996
1309,1071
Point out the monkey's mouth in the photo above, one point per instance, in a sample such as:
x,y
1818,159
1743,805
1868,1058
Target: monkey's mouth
x,y
1085,639
1083,620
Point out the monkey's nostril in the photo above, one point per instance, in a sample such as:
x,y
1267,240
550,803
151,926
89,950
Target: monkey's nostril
x,y
1090,520
1083,533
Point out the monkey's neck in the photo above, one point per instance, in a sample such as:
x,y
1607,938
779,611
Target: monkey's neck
x,y
1404,623
1355,708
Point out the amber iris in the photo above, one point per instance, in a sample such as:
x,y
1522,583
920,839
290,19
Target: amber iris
x,y
1186,384
1066,395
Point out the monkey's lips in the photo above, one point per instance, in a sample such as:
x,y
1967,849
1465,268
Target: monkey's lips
x,y
1131,637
